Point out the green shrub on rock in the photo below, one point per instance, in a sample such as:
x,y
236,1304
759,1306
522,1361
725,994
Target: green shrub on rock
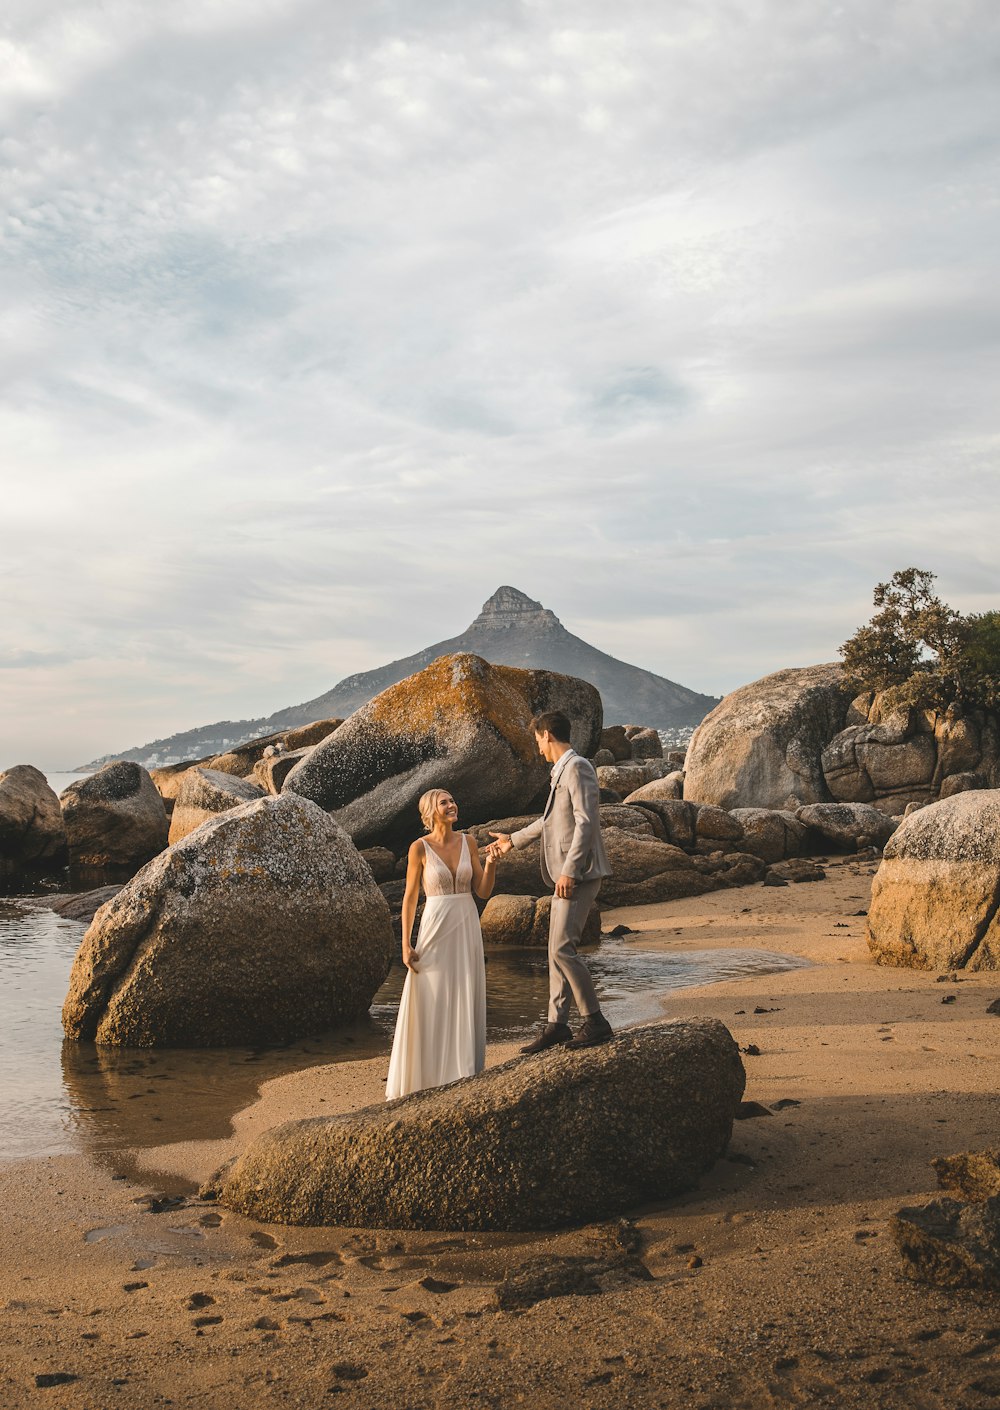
x,y
921,652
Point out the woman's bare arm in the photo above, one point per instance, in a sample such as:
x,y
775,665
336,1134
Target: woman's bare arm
x,y
483,877
414,871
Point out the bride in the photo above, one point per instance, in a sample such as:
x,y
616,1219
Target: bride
x,y
441,1028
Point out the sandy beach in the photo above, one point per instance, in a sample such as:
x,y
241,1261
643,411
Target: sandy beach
x,y
774,1283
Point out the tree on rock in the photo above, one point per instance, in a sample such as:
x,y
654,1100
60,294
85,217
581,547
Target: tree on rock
x,y
922,652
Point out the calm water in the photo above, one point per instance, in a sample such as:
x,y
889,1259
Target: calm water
x,y
58,1097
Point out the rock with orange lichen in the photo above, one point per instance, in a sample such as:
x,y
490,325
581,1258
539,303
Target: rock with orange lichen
x,y
460,724
263,925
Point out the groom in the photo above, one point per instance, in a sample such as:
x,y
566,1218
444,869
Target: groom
x,y
574,861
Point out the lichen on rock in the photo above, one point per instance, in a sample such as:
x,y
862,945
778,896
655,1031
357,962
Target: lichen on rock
x,y
259,927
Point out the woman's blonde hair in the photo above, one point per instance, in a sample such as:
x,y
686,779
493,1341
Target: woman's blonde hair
x,y
428,805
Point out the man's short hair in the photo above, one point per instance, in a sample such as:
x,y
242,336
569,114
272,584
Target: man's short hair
x,y
555,722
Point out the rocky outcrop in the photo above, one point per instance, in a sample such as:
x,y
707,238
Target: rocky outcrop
x,y
936,895
381,863
261,926
461,724
270,772
616,742
761,747
627,778
950,1244
645,869
898,757
644,743
524,920
32,833
169,780
244,757
770,833
848,827
80,905
204,794
637,1119
658,789
975,1175
114,818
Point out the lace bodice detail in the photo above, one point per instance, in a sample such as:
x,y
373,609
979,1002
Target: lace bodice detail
x,y
438,880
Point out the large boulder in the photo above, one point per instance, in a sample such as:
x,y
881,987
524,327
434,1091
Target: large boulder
x,y
524,920
848,827
679,819
636,1119
936,895
460,724
32,834
204,794
261,926
114,817
762,746
630,820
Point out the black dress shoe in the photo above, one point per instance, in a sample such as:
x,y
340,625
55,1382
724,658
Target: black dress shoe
x,y
596,1029
550,1037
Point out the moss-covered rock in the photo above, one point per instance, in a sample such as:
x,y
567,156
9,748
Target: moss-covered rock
x,y
460,724
539,1142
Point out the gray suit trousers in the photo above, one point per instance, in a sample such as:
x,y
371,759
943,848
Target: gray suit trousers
x,y
569,977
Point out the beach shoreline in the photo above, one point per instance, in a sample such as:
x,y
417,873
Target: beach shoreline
x,y
774,1282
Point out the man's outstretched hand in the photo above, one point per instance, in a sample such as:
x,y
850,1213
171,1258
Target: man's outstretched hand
x,y
501,846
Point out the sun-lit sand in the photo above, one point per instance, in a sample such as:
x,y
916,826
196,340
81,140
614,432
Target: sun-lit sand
x,y
774,1283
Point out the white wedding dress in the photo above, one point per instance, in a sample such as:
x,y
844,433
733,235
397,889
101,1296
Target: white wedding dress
x,y
441,1028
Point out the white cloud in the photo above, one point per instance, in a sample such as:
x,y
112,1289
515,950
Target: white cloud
x,y
318,320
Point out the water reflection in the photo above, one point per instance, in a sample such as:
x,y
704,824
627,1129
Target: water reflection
x,y
122,1098
57,1097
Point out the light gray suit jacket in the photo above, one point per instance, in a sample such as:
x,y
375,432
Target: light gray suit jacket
x,y
570,827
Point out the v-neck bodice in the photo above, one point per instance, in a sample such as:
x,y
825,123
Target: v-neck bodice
x,y
440,880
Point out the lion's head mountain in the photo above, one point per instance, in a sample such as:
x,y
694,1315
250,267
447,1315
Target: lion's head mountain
x,y
511,630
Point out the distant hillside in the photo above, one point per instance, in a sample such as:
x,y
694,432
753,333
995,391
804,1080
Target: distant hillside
x,y
511,630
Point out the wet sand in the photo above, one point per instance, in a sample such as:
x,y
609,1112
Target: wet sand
x,y
775,1283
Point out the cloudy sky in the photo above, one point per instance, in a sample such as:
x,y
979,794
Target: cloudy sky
x,y
323,318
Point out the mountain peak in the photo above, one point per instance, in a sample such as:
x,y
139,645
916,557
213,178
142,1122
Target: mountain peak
x,y
509,607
